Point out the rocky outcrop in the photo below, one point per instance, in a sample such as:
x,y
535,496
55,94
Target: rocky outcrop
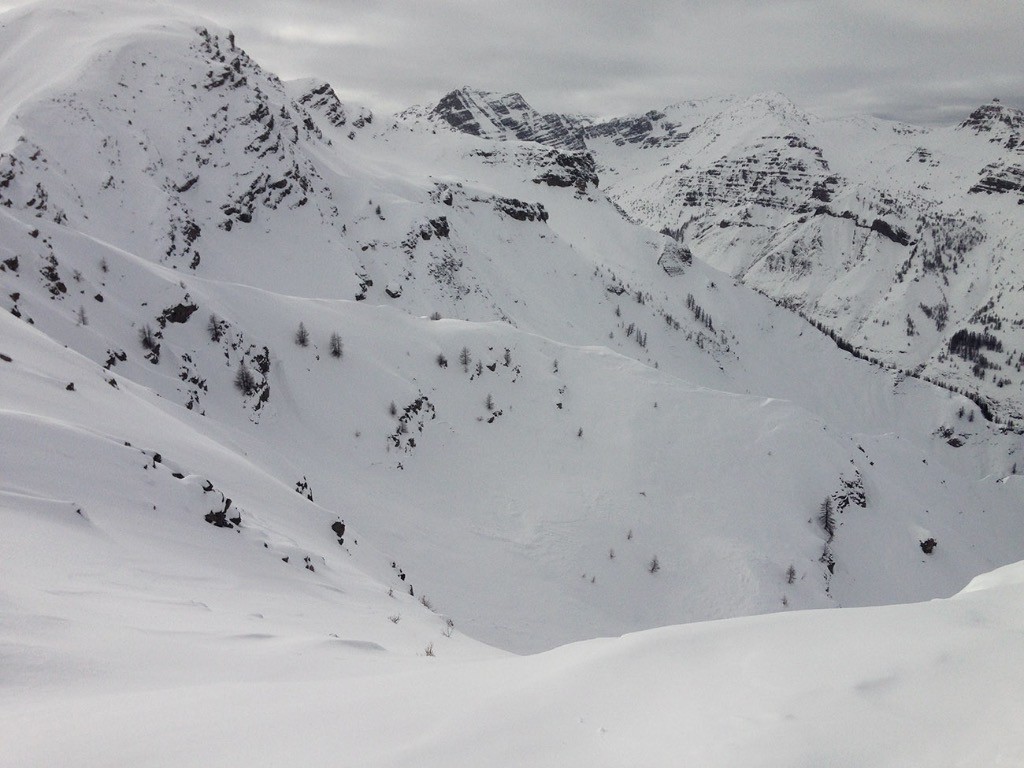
x,y
1001,178
999,124
569,169
508,116
675,258
648,131
519,210
320,97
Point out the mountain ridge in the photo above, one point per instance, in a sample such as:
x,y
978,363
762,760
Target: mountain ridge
x,y
757,187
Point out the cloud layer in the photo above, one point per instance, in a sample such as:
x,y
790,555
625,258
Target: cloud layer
x,y
924,61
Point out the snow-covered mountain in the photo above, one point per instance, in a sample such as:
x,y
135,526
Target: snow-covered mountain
x,y
501,117
288,384
903,242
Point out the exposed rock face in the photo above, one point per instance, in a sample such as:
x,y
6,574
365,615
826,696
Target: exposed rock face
x,y
675,258
323,107
519,210
509,117
490,115
1000,124
320,97
455,109
649,130
1001,178
1003,126
570,169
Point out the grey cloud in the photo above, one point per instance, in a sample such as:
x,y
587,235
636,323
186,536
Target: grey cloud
x,y
926,61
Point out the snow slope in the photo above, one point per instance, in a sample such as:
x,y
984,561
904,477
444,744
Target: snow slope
x,y
932,682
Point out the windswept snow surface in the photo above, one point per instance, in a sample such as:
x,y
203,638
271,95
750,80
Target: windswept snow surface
x,y
208,684
336,559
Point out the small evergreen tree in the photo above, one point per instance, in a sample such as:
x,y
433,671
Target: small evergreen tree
x,y
337,348
245,382
80,316
465,358
827,517
302,336
214,328
654,566
146,337
489,402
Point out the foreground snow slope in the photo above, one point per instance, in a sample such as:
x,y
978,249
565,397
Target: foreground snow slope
x,y
932,683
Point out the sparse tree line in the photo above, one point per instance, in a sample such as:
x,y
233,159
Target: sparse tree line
x,y
698,312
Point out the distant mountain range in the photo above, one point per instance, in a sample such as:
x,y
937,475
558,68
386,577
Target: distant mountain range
x,y
900,241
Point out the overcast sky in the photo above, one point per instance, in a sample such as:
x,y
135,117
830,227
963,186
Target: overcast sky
x,y
924,61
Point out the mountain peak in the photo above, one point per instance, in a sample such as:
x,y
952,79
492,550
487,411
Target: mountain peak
x,y
1002,124
504,116
775,104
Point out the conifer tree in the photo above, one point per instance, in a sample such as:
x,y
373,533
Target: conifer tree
x,y
827,517
245,382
